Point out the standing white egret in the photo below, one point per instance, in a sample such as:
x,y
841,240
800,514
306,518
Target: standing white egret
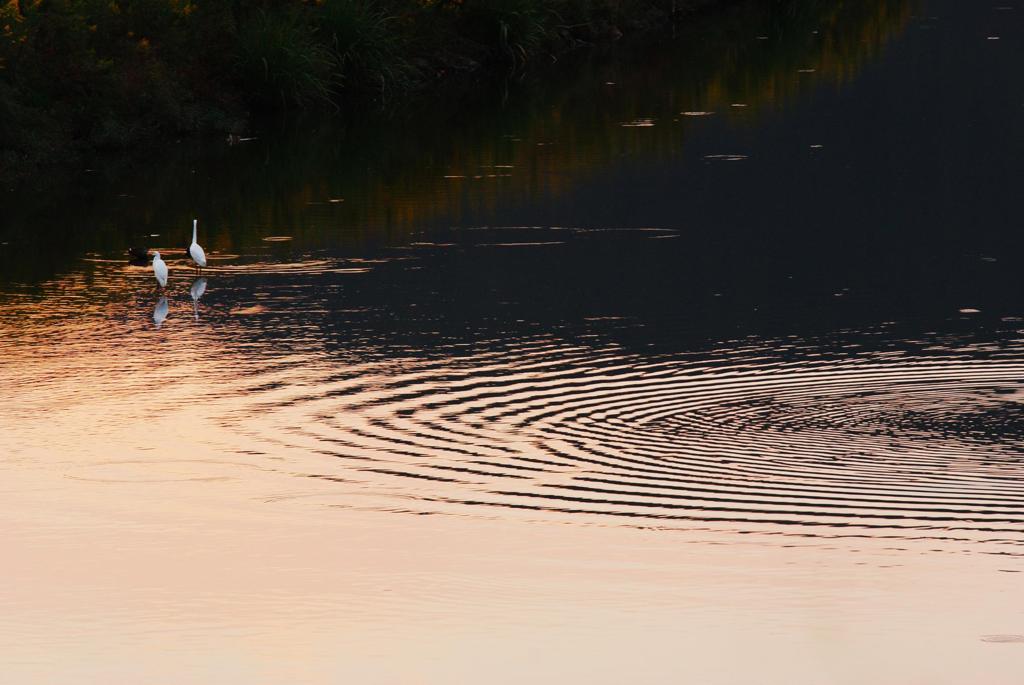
x,y
160,312
195,250
196,291
160,270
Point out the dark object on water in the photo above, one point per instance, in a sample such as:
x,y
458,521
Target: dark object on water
x,y
138,256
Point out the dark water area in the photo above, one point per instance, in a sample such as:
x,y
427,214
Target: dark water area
x,y
735,310
874,159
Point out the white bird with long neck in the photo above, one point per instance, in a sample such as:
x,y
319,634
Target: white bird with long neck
x,y
195,251
160,270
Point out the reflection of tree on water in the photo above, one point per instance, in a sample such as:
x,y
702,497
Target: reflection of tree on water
x,y
544,140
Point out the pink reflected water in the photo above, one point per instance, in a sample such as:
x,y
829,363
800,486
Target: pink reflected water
x,y
193,503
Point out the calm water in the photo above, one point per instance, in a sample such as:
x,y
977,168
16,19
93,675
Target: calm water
x,y
699,361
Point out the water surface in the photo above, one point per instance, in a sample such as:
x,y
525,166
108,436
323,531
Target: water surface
x,y
701,348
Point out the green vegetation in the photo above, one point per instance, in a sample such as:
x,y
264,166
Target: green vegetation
x,y
89,74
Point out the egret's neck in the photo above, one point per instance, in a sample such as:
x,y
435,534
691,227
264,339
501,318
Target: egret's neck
x,y
194,222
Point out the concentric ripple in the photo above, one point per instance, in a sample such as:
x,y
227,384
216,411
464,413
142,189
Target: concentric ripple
x,y
751,439
864,434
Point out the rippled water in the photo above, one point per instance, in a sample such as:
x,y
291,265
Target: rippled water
x,y
612,381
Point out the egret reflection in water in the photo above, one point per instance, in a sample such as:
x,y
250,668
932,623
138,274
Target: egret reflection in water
x,y
160,311
196,291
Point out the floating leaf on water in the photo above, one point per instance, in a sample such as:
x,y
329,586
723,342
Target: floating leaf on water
x,y
524,244
642,122
1003,638
243,311
616,229
503,228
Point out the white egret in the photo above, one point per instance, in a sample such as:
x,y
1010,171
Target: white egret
x,y
195,250
160,270
196,291
160,312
